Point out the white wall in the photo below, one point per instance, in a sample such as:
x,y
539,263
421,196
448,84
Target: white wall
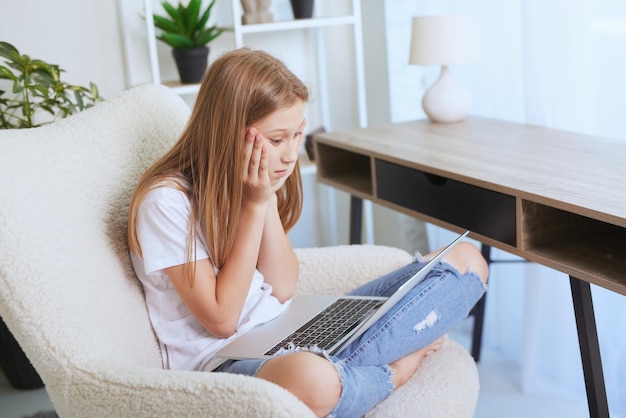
x,y
83,37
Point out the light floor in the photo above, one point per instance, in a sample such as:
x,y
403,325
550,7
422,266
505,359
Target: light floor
x,y
499,393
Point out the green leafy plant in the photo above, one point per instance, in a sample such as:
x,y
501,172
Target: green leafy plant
x,y
37,89
186,27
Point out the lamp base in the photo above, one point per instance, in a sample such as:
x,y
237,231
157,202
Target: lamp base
x,y
447,100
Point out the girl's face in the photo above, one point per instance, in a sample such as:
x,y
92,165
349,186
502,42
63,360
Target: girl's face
x,y
282,133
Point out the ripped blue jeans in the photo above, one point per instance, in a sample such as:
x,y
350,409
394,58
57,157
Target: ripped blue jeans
x,y
434,306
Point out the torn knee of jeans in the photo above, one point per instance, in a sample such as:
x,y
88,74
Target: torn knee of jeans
x,y
390,371
476,276
446,264
428,322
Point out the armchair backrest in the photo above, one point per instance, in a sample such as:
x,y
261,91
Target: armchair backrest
x,y
67,289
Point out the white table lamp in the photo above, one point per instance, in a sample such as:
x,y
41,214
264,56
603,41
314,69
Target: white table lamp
x,y
444,40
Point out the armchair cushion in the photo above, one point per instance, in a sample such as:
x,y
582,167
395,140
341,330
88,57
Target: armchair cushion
x,y
71,299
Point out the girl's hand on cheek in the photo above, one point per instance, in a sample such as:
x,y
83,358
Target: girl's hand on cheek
x,y
256,180
280,183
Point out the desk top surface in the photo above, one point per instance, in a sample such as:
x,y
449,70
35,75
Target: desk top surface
x,y
581,173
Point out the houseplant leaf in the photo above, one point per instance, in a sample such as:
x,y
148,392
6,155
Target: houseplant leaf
x,y
186,21
166,25
176,41
205,16
175,15
191,18
37,87
208,35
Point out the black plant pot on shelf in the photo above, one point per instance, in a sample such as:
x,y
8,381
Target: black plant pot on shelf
x,y
191,63
302,9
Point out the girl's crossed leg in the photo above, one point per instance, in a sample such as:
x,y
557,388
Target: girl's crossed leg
x,y
362,377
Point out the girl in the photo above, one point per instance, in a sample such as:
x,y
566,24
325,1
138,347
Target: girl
x,y
208,239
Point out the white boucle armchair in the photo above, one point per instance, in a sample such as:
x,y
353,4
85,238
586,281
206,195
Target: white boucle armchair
x,y
70,297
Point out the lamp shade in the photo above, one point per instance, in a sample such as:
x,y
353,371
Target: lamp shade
x,y
443,40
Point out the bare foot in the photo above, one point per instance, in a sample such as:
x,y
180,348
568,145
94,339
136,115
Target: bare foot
x,y
404,368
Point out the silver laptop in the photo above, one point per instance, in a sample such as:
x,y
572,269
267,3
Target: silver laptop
x,y
329,322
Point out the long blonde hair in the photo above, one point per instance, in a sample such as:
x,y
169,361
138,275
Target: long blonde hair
x,y
240,88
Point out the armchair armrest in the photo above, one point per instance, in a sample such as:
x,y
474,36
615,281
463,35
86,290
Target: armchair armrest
x,y
136,392
339,269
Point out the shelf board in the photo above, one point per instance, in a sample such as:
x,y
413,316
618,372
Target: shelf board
x,y
297,24
181,88
307,166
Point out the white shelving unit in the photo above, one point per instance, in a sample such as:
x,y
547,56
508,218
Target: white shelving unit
x,y
240,32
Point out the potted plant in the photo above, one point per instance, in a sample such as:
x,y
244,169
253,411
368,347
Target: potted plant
x,y
185,30
37,91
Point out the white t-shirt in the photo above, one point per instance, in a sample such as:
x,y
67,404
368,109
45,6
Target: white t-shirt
x,y
162,228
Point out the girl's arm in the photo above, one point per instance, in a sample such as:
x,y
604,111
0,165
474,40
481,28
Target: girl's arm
x,y
217,301
277,260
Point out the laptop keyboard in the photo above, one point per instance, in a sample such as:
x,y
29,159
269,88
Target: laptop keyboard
x,y
330,325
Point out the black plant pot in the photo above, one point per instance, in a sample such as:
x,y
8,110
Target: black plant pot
x,y
191,63
302,9
16,367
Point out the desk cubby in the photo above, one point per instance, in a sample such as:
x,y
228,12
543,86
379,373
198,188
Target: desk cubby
x,y
585,248
345,169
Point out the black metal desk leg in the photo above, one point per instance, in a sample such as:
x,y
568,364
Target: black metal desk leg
x,y
356,219
478,311
589,348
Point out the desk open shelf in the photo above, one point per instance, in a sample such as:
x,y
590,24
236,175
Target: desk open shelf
x,y
346,170
583,247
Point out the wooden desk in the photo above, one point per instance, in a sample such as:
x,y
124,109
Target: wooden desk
x,y
553,197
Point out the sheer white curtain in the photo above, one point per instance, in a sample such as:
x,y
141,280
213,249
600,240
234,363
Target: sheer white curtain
x,y
570,50
560,64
